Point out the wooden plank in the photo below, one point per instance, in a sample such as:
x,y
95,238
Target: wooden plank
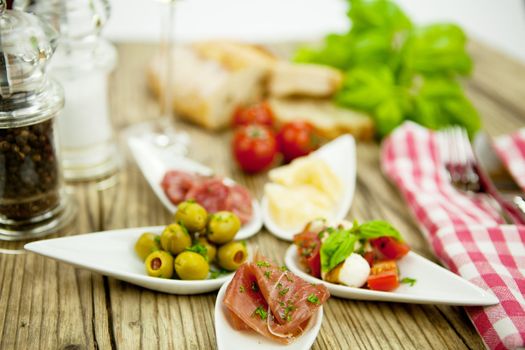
x,y
498,77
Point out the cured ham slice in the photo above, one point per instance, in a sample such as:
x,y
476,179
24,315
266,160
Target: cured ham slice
x,y
272,301
211,192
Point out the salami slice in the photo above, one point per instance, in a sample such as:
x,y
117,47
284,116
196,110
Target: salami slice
x,y
210,192
176,184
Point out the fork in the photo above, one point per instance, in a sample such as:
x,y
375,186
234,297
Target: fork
x,y
459,159
465,173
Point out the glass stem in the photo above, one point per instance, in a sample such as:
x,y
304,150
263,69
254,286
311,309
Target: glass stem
x,y
168,68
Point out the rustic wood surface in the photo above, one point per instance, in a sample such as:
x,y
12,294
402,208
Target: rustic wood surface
x,y
49,305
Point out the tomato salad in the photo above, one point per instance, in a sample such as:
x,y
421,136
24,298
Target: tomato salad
x,y
356,255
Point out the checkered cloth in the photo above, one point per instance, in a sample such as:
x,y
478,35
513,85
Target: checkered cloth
x,y
465,231
511,150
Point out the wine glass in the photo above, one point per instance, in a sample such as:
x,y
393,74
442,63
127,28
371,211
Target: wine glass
x,y
162,132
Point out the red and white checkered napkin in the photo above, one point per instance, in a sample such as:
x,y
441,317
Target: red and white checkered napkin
x,y
465,231
511,150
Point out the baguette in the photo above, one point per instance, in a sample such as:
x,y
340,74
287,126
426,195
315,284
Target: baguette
x,y
308,80
234,55
207,91
329,120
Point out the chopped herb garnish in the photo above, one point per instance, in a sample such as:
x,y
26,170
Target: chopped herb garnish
x,y
241,289
290,279
217,273
255,287
287,312
267,274
199,249
284,268
284,291
409,281
261,312
313,299
263,264
279,285
281,304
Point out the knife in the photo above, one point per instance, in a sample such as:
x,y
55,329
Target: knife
x,y
496,181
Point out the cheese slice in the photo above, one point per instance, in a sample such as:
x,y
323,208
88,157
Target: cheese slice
x,y
310,171
293,207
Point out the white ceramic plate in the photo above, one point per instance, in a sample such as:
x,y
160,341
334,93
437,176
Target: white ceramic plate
x,y
434,284
111,253
340,156
154,163
229,338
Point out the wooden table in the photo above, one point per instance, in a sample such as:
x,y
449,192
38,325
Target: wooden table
x,y
49,305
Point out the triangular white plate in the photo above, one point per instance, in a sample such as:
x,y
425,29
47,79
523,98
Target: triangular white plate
x,y
229,338
111,253
154,163
434,284
340,156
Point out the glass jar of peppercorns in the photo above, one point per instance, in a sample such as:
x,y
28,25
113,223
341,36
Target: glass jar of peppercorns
x,y
32,198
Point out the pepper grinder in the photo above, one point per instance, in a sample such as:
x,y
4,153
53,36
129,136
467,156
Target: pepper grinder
x,y
82,63
33,202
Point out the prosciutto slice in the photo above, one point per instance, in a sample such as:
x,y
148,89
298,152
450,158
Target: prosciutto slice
x,y
272,301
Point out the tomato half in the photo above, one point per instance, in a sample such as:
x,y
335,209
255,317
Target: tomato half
x,y
390,248
259,113
385,281
297,139
309,246
383,276
254,147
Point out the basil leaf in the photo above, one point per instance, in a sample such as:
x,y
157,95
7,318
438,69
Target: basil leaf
x,y
396,70
377,228
336,248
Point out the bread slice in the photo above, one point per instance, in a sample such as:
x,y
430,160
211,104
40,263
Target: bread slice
x,y
328,119
207,91
235,55
296,79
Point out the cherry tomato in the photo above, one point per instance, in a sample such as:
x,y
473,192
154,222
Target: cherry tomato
x,y
309,245
259,113
385,281
297,139
370,258
254,147
383,276
390,248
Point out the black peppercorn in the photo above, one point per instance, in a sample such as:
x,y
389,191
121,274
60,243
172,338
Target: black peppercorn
x,y
29,173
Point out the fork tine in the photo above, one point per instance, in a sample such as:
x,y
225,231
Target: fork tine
x,y
458,158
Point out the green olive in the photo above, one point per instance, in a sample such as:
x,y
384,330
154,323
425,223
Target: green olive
x,y
191,266
191,215
232,255
146,244
223,226
175,239
159,264
210,248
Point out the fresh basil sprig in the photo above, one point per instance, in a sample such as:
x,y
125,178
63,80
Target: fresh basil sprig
x,y
341,242
396,70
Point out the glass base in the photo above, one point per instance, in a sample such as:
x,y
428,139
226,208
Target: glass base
x,y
90,163
42,225
162,134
